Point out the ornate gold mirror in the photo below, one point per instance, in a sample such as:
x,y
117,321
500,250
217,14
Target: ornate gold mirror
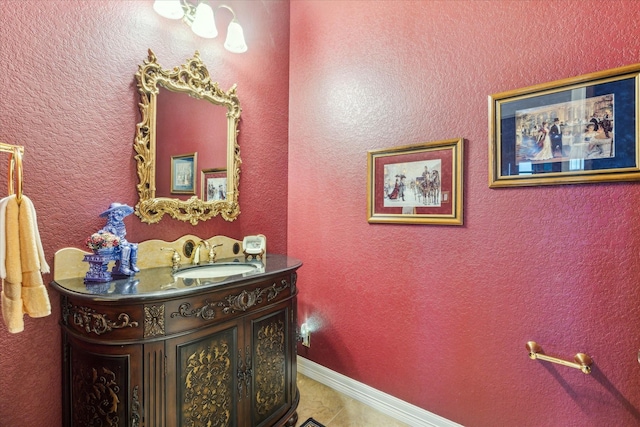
x,y
186,145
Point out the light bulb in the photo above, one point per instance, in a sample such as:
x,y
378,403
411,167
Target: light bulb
x,y
235,38
169,8
203,24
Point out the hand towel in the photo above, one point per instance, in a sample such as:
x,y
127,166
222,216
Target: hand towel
x,y
44,267
12,304
34,294
3,236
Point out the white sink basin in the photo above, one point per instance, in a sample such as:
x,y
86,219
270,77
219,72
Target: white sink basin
x,y
212,271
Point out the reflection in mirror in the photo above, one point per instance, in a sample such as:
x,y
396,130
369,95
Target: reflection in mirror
x,y
186,125
186,144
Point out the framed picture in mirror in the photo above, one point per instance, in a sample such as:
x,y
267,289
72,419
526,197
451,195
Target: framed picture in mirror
x,y
214,184
183,173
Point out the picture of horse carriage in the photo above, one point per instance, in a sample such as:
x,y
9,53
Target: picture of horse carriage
x,y
422,189
427,188
416,184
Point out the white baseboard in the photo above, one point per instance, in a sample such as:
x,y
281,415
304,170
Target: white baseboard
x,y
385,403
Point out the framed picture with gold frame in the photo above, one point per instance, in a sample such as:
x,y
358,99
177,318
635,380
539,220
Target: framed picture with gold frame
x,y
213,184
577,130
416,184
183,173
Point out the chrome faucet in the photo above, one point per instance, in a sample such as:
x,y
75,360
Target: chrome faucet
x,y
196,253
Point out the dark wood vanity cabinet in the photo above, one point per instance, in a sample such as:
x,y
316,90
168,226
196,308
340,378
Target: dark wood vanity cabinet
x,y
220,355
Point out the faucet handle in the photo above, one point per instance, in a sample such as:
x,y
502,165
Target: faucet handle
x,y
175,258
196,253
212,253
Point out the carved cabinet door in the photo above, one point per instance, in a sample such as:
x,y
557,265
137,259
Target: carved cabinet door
x,y
239,373
102,385
270,350
202,377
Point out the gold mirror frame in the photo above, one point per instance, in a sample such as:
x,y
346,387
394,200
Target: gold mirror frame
x,y
193,79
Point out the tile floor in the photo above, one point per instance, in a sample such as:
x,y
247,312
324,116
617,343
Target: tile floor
x,y
334,409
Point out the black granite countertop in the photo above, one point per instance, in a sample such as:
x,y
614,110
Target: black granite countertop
x,y
154,283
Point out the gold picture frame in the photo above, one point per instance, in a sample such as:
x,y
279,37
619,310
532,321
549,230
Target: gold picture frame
x,y
416,184
183,173
583,129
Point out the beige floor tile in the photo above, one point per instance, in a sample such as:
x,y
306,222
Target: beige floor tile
x,y
357,414
334,409
318,401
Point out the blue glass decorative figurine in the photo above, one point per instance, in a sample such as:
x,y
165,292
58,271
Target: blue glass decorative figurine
x,y
110,244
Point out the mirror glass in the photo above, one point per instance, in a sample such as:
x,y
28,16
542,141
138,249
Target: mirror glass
x,y
186,144
185,126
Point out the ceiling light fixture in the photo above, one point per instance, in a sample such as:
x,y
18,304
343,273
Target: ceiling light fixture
x,y
201,20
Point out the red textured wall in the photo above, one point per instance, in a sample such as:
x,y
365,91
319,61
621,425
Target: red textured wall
x,y
68,95
439,315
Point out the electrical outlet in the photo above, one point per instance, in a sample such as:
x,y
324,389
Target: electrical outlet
x,y
305,334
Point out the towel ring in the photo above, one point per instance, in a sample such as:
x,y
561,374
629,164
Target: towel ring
x,y
15,165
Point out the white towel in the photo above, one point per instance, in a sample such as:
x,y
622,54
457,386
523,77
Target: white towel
x,y
44,267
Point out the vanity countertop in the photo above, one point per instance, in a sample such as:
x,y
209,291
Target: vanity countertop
x,y
159,282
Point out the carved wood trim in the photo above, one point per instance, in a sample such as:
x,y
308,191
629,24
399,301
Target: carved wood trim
x,y
206,312
153,320
269,345
100,392
232,303
92,321
244,372
247,299
135,408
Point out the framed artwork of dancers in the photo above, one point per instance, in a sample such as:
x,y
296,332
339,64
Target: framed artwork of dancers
x,y
578,130
416,184
183,174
